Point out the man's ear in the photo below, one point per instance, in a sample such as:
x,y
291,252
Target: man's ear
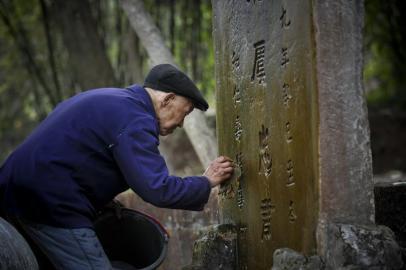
x,y
168,98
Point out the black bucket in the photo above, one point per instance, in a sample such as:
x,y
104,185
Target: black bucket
x,y
15,253
132,237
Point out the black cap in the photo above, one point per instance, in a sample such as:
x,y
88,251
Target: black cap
x,y
168,78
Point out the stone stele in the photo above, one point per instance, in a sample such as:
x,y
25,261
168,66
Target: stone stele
x,y
291,113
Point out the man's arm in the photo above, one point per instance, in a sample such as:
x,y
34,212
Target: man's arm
x,y
145,171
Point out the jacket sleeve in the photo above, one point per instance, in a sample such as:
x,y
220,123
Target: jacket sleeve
x,y
137,155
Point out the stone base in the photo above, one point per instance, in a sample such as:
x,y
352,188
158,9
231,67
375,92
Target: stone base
x,y
361,247
216,249
346,247
288,259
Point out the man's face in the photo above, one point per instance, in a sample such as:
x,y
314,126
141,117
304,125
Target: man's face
x,y
173,111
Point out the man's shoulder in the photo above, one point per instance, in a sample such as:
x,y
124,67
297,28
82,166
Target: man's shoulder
x,y
108,99
105,108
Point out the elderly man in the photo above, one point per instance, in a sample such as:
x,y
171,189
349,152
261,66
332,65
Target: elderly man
x,y
94,146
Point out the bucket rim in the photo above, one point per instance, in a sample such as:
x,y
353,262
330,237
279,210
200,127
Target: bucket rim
x,y
119,211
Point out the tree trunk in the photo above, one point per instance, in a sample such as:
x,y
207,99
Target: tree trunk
x,y
201,136
87,56
133,58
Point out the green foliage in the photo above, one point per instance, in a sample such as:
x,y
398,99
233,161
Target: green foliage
x,y
32,82
384,41
192,34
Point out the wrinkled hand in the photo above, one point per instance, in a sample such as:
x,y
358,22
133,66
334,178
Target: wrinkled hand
x,y
219,170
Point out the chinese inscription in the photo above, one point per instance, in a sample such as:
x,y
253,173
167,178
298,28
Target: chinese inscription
x,y
288,134
286,94
292,214
285,58
235,61
267,209
289,170
265,160
285,22
258,71
240,194
236,96
237,129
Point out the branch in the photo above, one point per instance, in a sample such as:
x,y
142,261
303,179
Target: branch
x,y
23,43
196,127
50,47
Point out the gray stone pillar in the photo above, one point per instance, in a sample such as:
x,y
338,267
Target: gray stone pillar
x,y
345,163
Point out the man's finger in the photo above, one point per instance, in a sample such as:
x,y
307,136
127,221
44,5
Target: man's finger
x,y
223,159
227,175
228,169
226,164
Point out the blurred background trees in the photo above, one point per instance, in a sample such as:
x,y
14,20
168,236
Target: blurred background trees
x,y
385,53
53,49
385,83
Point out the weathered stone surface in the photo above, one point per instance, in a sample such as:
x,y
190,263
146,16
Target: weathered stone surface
x,y
216,249
15,253
346,187
361,247
267,122
288,259
349,247
291,112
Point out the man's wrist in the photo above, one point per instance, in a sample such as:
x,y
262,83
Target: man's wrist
x,y
208,180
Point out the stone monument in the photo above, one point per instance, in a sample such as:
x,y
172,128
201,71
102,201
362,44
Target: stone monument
x,y
291,112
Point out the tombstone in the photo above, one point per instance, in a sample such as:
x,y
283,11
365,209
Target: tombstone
x,y
291,113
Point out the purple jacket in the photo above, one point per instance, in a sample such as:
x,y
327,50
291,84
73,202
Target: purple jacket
x,y
90,148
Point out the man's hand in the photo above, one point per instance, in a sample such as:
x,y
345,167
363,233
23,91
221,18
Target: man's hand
x,y
219,170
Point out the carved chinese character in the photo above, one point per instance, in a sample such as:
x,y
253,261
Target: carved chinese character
x,y
265,160
237,129
239,159
227,191
243,231
292,214
288,133
286,94
285,59
236,96
285,22
258,71
267,209
289,170
240,194
235,61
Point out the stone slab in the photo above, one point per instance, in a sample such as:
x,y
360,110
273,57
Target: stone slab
x,y
267,122
216,249
362,247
